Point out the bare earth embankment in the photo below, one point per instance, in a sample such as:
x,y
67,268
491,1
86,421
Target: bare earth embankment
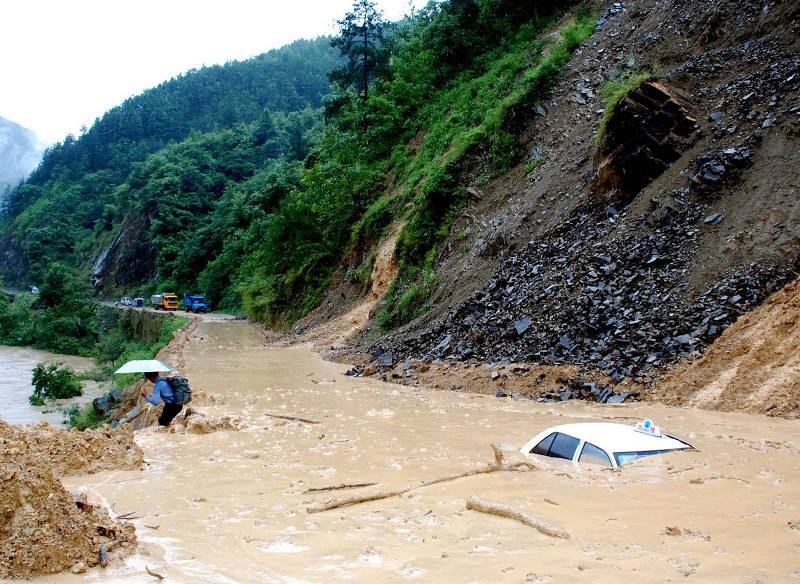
x,y
753,367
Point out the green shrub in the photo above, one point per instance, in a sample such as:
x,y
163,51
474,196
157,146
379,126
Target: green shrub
x,y
503,152
82,418
373,223
35,400
54,381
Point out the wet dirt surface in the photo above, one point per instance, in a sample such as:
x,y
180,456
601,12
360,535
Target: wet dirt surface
x,y
17,364
229,506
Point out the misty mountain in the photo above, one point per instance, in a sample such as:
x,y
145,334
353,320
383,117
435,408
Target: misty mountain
x,y
20,152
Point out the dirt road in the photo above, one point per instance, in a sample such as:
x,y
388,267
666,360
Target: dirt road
x,y
230,506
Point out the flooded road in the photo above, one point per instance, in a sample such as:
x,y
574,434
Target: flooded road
x,y
230,506
16,364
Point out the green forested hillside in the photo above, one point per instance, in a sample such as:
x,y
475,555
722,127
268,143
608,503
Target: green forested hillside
x,y
66,204
247,192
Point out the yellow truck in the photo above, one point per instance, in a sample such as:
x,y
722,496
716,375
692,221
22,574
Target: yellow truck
x,y
165,301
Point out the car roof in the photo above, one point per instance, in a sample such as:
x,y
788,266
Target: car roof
x,y
617,437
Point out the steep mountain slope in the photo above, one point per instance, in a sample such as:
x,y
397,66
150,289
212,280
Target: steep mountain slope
x,y
20,151
565,260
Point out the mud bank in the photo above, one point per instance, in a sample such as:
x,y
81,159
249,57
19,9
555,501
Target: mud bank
x,y
43,528
753,367
232,506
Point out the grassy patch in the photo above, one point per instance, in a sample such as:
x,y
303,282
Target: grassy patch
x,y
614,91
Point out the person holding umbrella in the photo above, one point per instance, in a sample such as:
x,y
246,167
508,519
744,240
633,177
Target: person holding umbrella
x,y
162,388
162,391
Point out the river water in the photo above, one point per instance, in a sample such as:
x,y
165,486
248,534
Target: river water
x,y
16,365
231,506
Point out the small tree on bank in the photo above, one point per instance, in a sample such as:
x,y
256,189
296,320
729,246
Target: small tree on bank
x,y
53,381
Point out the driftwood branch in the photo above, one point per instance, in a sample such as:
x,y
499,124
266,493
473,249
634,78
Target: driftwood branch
x,y
294,418
492,508
498,466
153,574
339,487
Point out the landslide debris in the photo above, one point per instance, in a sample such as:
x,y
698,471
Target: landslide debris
x,y
43,528
754,366
195,422
70,452
627,259
587,295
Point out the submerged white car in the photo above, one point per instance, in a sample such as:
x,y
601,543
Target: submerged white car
x,y
603,443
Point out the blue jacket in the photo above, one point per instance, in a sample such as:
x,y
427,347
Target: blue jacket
x,y
162,390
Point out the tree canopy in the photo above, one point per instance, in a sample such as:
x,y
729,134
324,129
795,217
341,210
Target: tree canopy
x,y
363,45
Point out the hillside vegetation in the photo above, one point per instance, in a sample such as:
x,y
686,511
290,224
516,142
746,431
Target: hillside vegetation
x,y
71,205
247,192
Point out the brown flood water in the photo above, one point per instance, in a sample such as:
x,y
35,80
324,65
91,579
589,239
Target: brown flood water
x,y
229,506
16,364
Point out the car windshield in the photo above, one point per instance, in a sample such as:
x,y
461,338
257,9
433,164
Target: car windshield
x,y
628,457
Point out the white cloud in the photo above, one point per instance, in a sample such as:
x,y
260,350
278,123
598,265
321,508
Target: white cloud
x,y
67,62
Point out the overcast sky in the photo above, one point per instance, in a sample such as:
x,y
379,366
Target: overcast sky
x,y
65,62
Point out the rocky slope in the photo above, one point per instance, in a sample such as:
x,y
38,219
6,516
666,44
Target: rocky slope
x,y
625,254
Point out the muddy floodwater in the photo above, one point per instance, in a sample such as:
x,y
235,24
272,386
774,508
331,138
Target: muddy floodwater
x,y
230,506
16,366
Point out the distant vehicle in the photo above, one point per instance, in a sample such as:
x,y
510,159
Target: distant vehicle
x,y
164,301
34,290
138,302
125,301
603,443
195,303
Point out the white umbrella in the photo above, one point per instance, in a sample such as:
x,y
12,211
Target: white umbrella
x,y
151,366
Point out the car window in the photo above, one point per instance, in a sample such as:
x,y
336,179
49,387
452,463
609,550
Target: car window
x,y
544,445
594,455
627,457
563,446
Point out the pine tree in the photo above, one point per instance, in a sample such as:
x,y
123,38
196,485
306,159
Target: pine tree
x,y
361,41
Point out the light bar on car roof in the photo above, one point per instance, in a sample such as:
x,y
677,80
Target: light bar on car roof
x,y
648,427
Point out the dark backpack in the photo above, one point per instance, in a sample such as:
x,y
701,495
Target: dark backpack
x,y
181,392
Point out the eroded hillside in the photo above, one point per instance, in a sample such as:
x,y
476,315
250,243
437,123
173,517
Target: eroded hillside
x,y
627,252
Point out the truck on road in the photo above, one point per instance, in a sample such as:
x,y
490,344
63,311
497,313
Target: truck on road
x,y
195,303
164,301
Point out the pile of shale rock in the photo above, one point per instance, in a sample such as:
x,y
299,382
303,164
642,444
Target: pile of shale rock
x,y
599,292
